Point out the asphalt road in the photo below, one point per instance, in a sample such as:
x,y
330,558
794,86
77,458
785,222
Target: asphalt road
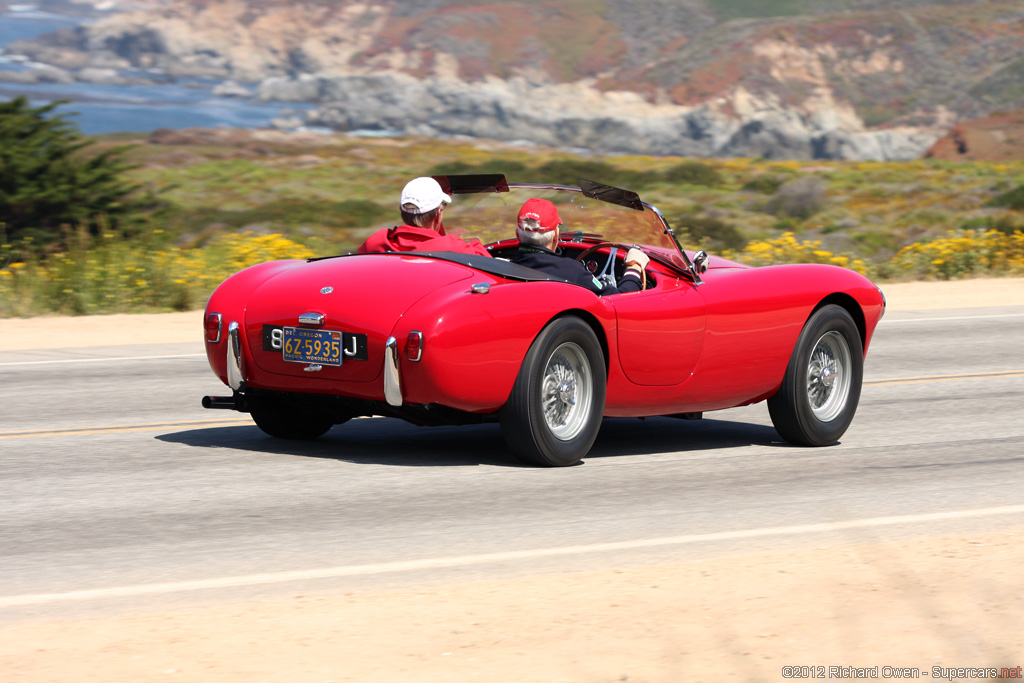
x,y
118,488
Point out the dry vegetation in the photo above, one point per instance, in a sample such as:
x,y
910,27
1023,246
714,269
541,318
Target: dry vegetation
x,y
232,197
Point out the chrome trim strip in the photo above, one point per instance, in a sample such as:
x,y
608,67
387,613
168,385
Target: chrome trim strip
x,y
419,353
392,383
236,379
682,252
311,318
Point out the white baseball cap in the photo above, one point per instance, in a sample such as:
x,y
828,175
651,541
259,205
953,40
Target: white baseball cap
x,y
422,195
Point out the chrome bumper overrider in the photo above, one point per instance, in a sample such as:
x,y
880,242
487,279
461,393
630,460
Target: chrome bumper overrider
x,y
392,384
235,375
236,371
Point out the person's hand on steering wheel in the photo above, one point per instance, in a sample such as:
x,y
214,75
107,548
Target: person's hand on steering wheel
x,y
637,260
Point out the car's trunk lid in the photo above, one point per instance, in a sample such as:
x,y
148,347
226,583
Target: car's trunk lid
x,y
360,296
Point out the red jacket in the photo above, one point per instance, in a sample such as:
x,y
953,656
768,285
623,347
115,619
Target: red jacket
x,y
412,238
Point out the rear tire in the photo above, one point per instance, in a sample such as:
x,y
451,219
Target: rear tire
x,y
821,389
282,419
557,403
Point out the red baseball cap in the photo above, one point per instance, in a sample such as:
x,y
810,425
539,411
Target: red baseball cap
x,y
538,215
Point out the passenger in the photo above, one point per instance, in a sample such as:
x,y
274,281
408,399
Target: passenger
x,y
538,248
422,205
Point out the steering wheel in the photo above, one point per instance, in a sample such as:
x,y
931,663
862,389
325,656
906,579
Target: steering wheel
x,y
625,247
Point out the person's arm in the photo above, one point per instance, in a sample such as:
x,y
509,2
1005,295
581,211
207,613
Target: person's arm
x,y
632,280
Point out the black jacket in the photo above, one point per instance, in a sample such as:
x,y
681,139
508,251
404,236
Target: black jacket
x,y
553,263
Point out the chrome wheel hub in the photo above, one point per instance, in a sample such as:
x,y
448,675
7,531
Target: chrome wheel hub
x,y
567,390
567,393
828,376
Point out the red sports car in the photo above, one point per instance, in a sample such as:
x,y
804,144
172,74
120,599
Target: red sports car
x,y
445,338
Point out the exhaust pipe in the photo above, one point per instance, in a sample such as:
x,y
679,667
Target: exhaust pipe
x,y
219,402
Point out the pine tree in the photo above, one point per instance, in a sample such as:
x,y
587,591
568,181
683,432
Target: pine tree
x,y
49,180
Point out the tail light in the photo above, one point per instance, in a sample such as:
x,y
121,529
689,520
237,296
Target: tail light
x,y
213,325
414,346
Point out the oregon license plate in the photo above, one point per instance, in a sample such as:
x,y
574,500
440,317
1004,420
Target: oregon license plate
x,y
302,345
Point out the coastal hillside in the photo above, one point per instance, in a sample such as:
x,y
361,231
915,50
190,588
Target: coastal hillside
x,y
844,79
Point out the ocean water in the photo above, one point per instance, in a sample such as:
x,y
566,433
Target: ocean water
x,y
98,109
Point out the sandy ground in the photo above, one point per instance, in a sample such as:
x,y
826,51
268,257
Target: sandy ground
x,y
951,601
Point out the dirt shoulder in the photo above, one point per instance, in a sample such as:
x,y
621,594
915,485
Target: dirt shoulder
x,y
952,602
110,330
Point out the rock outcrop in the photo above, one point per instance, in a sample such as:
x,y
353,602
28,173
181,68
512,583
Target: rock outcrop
x,y
580,116
664,77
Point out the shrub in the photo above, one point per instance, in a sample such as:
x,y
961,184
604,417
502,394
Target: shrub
x,y
1014,199
569,171
290,213
962,253
714,231
46,178
799,199
694,173
786,249
110,274
764,184
514,171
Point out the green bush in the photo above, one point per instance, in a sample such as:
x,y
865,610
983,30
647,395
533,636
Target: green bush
x,y
709,231
47,180
1014,199
764,184
798,199
694,173
514,171
569,171
282,214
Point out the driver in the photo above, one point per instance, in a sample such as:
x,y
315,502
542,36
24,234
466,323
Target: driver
x,y
538,248
422,205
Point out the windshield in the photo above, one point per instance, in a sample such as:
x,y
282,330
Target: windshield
x,y
491,215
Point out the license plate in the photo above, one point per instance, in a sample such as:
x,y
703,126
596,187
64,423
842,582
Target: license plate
x,y
302,345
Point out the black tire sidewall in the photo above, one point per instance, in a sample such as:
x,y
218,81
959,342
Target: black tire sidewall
x,y
790,408
522,418
282,420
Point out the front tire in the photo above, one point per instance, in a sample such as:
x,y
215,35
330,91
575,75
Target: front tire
x,y
555,409
821,388
284,419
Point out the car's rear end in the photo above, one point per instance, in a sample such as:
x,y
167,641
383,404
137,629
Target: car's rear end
x,y
431,338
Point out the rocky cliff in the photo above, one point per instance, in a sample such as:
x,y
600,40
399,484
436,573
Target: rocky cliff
x,y
882,81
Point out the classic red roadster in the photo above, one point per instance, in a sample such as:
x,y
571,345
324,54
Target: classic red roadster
x,y
446,338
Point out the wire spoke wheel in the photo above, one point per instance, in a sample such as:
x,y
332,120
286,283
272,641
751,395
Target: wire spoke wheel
x,y
555,409
821,388
567,391
828,376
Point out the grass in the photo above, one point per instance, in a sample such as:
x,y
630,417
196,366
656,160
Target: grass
x,y
227,204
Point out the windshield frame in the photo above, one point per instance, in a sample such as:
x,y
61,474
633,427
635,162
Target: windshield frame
x,y
662,238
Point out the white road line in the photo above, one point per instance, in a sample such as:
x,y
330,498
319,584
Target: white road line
x,y
103,360
890,321
465,560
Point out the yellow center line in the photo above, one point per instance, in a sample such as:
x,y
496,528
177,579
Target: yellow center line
x,y
923,379
120,429
241,421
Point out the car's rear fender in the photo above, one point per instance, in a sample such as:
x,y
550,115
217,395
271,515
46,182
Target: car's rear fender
x,y
229,301
474,343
